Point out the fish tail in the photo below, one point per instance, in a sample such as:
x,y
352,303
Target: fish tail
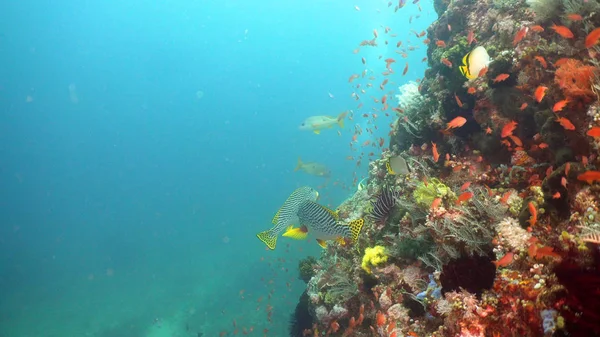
x,y
299,165
355,228
340,119
269,238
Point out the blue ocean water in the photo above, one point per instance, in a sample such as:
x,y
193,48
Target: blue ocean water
x,y
144,144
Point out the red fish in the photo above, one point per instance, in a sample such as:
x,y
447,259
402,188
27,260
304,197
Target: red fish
x,y
501,77
539,93
563,31
566,123
436,203
458,101
520,35
465,196
533,218
542,61
470,37
589,176
594,132
592,38
456,123
505,260
560,105
436,154
446,62
508,129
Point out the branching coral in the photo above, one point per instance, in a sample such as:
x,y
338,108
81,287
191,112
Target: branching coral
x,y
575,79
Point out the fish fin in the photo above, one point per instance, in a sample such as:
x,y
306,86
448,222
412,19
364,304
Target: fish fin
x,y
340,119
322,243
317,131
298,233
355,228
299,165
268,238
388,166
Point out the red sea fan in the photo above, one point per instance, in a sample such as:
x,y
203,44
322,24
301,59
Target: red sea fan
x,y
575,79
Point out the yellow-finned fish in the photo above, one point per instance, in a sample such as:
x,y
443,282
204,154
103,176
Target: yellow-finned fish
x,y
318,123
397,165
475,60
287,215
314,169
323,224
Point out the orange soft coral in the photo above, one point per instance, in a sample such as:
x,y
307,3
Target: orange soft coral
x,y
575,79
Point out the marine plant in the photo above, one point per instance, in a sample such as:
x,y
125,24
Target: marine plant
x,y
426,192
306,268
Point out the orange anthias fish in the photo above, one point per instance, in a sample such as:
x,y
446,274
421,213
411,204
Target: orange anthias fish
x,y
505,260
456,123
560,105
508,129
458,101
446,62
566,123
574,17
533,218
592,38
465,186
501,77
594,132
436,154
539,93
542,61
520,35
471,90
436,203
589,176
563,31
537,28
465,196
470,37
405,69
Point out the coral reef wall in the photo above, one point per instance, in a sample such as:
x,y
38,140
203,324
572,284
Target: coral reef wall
x,y
495,229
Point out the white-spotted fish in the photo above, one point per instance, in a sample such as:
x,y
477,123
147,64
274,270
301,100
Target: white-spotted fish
x,y
323,224
287,215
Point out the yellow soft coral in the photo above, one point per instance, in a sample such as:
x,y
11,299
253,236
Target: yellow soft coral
x,y
373,257
424,194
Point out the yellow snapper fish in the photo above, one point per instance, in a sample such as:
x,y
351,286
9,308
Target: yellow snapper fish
x,y
318,123
286,216
474,62
314,169
323,224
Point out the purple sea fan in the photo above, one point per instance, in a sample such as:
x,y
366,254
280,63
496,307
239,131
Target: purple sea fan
x,y
382,207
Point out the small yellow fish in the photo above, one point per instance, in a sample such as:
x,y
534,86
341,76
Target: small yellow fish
x,y
315,169
318,123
